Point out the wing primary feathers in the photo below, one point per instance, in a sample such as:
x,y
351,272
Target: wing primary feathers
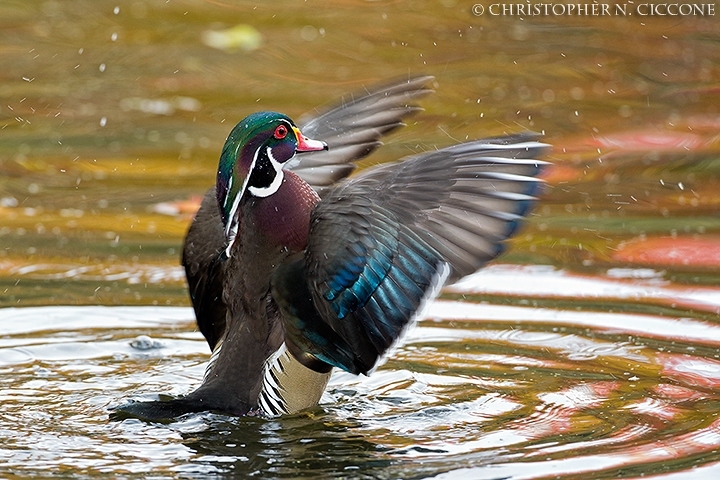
x,y
353,129
204,269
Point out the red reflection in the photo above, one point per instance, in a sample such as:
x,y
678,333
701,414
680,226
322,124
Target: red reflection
x,y
649,140
685,251
690,370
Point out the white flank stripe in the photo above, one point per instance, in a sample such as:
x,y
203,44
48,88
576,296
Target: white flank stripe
x,y
270,400
213,358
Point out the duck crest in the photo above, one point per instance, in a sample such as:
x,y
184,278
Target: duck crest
x,y
236,156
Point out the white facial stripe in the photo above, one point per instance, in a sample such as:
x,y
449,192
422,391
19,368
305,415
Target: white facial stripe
x,y
229,188
232,226
231,238
236,204
277,181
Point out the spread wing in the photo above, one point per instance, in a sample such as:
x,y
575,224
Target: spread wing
x,y
352,130
383,243
204,269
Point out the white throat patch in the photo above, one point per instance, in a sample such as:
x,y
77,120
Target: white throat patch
x,y
277,181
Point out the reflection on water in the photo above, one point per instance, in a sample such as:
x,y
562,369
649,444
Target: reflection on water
x,y
480,390
598,358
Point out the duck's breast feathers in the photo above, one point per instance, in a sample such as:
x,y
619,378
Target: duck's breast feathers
x,y
284,217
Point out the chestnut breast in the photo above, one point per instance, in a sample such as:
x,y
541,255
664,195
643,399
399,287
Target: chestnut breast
x,y
283,218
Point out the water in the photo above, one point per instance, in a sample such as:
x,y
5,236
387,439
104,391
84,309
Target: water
x,y
480,390
590,350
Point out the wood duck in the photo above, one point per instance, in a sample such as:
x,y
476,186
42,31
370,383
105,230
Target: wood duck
x,y
294,269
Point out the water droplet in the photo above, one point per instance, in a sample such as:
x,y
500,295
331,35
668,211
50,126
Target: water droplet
x,y
308,33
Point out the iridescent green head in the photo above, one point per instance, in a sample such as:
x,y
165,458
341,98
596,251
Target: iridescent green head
x,y
252,160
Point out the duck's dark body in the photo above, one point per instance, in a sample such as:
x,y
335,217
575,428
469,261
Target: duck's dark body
x,y
243,297
286,284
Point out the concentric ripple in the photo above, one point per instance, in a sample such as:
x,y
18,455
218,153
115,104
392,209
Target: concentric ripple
x,y
478,391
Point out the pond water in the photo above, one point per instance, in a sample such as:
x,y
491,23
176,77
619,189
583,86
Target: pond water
x,y
590,350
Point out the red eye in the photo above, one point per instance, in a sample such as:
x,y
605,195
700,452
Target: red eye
x,y
281,132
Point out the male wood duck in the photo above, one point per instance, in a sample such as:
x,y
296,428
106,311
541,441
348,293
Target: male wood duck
x,y
295,269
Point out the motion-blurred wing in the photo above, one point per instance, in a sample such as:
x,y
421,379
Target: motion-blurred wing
x,y
383,243
353,130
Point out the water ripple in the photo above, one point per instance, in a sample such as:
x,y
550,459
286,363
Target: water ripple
x,y
479,391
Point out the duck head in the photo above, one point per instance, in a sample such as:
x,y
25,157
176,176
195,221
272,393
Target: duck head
x,y
252,162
